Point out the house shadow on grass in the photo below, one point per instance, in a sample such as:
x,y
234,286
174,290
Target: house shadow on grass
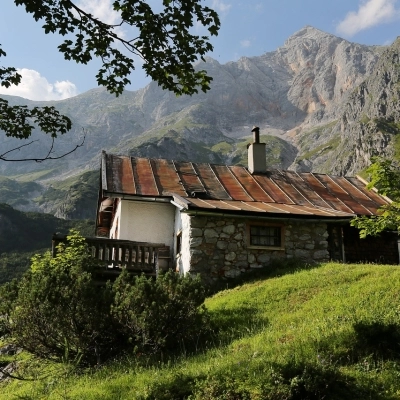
x,y
373,340
373,349
377,339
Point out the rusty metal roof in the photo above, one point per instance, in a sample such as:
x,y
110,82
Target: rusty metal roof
x,y
224,188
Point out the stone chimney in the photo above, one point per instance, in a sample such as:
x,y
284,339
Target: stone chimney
x,y
256,153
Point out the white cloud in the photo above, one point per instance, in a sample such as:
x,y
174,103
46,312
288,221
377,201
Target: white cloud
x,y
33,86
101,9
221,7
370,13
104,11
245,43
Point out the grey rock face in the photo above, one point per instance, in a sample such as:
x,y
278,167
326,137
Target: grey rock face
x,y
325,68
368,122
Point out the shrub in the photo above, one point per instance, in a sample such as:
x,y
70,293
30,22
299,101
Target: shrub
x,y
162,313
60,311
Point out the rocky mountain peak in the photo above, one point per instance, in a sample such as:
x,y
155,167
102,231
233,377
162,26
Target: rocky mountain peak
x,y
308,32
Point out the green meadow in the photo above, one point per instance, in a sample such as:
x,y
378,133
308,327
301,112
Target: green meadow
x,y
330,331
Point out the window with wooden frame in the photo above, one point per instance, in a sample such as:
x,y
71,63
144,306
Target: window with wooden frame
x,y
261,235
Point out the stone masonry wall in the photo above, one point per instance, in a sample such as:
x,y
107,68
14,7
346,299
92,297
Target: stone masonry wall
x,y
218,247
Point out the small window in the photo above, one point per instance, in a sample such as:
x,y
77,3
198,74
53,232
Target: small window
x,y
265,236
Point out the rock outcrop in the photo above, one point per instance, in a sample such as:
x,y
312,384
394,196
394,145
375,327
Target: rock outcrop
x,y
367,125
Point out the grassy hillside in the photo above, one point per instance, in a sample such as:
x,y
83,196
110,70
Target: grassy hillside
x,y
324,332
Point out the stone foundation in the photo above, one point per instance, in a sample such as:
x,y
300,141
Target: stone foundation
x,y
219,247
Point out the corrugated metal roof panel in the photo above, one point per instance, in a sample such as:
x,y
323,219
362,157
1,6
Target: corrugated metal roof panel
x,y
126,177
144,178
274,191
251,185
273,208
265,208
230,183
202,203
333,185
318,187
379,200
302,186
284,182
211,183
361,196
189,177
166,177
243,206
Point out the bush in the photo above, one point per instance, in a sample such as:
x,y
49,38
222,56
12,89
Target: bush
x,y
60,312
162,313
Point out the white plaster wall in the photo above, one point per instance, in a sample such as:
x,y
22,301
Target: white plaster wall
x,y
117,217
147,222
182,261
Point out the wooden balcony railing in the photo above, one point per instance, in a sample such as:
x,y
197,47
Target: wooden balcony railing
x,y
116,254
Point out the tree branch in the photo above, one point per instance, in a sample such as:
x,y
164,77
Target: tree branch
x,y
39,159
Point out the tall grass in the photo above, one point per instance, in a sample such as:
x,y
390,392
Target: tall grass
x,y
331,332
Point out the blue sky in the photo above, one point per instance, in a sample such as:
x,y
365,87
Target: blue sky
x,y
249,28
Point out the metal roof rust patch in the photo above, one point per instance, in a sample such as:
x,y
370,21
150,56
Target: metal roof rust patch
x,y
379,200
252,186
264,208
230,183
126,176
166,177
274,191
144,178
322,191
333,185
189,177
211,183
359,195
282,180
305,190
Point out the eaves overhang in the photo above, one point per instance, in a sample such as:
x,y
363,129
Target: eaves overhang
x,y
269,217
256,209
124,196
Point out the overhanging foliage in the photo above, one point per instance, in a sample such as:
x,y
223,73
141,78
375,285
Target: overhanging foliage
x,y
385,177
163,42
